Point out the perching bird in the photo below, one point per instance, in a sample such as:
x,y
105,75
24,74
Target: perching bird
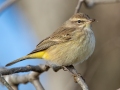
x,y
71,43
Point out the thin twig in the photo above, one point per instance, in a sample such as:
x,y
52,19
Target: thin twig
x,y
81,82
33,77
77,77
77,9
90,3
4,82
39,68
35,81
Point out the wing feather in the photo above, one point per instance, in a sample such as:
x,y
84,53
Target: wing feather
x,y
60,36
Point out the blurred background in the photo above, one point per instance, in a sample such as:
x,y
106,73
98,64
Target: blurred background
x,y
26,22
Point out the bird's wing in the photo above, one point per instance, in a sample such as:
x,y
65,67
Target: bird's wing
x,y
60,36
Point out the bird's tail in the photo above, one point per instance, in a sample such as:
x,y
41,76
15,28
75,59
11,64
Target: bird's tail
x,y
18,60
37,55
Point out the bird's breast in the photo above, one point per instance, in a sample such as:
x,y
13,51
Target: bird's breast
x,y
86,47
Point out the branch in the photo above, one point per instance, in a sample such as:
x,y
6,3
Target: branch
x,y
33,77
4,82
77,9
77,77
81,82
39,68
91,3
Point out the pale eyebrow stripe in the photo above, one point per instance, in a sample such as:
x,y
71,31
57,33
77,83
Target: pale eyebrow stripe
x,y
75,19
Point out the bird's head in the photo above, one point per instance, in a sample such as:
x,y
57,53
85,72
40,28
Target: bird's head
x,y
80,20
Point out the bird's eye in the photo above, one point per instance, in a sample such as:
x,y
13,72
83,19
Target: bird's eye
x,y
79,21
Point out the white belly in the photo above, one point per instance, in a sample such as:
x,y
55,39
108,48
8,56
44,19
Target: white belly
x,y
87,50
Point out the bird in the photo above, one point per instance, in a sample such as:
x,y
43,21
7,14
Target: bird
x,y
72,43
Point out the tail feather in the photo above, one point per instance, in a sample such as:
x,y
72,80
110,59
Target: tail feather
x,y
37,55
18,60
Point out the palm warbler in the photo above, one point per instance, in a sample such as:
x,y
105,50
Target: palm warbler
x,y
71,43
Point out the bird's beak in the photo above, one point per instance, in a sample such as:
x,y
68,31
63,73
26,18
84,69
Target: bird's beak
x,y
88,24
91,20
